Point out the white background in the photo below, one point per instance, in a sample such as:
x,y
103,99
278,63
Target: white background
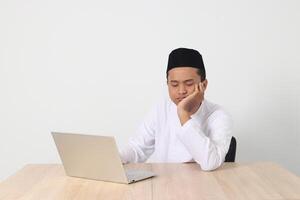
x,y
99,66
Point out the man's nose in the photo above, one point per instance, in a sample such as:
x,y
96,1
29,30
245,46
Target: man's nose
x,y
182,89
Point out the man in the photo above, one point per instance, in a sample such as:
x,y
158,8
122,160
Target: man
x,y
185,127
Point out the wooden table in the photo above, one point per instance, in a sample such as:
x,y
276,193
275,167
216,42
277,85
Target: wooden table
x,y
257,181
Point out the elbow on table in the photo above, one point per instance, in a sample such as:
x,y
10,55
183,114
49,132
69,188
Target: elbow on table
x,y
209,166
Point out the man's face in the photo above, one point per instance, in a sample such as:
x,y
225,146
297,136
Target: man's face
x,y
181,82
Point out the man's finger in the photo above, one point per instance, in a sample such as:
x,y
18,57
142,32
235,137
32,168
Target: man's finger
x,y
201,87
196,88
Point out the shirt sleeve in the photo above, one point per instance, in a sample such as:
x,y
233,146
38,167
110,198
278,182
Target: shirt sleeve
x,y
208,148
140,147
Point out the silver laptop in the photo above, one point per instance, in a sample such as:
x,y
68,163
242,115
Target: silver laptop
x,y
94,157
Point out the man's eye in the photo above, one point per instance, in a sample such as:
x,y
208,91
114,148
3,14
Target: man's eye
x,y
190,84
174,85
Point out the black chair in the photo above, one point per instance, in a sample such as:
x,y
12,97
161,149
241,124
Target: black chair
x,y
230,156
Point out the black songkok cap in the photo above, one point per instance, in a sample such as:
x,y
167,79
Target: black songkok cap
x,y
183,57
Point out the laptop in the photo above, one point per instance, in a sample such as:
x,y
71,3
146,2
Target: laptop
x,y
94,157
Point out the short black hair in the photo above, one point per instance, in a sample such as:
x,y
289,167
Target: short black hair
x,y
200,72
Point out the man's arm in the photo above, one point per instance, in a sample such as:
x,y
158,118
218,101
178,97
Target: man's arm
x,y
141,146
208,151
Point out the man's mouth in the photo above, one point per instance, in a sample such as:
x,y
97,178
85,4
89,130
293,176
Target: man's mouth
x,y
180,98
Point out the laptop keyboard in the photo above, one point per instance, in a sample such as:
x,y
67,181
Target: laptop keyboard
x,y
136,175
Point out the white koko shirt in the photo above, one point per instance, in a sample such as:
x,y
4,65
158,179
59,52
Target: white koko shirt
x,y
205,138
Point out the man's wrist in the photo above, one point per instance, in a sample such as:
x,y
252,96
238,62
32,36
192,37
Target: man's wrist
x,y
183,116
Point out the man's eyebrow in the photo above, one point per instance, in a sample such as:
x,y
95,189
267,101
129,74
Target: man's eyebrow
x,y
189,80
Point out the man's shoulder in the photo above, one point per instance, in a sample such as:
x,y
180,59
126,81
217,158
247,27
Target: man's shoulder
x,y
210,106
215,111
212,109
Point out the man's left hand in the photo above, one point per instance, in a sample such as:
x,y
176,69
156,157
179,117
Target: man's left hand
x,y
189,105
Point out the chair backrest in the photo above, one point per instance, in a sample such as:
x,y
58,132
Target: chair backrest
x,y
230,156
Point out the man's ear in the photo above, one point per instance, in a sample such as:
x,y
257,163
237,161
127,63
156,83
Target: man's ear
x,y
204,84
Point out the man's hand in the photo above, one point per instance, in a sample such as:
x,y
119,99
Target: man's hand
x,y
189,105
